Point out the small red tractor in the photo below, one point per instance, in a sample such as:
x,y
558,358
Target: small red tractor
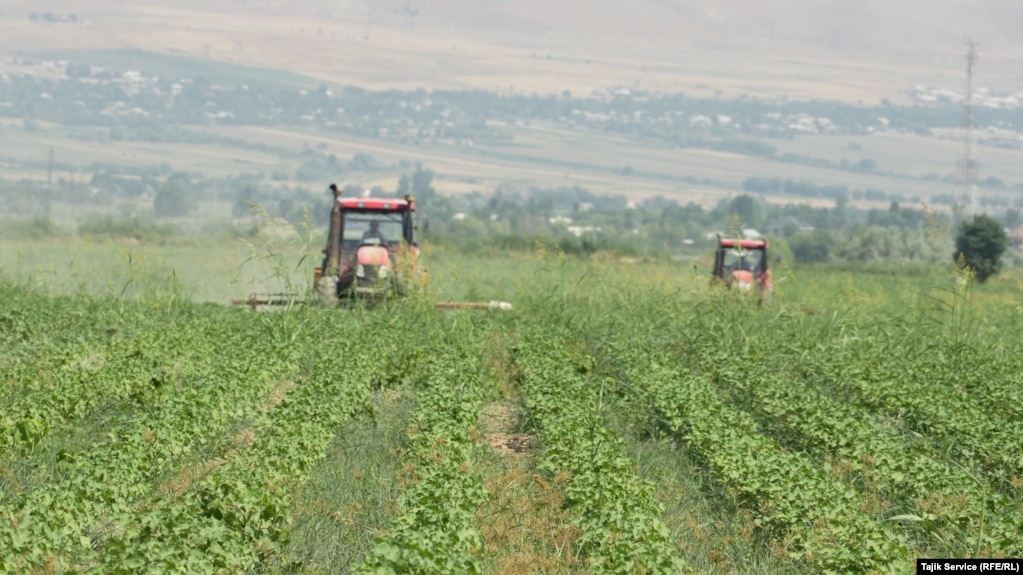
x,y
742,263
371,248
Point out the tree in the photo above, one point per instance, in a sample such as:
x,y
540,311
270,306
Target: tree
x,y
812,247
243,197
865,165
1012,218
981,243
746,208
174,198
420,185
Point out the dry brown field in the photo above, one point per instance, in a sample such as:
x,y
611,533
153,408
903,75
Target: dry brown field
x,y
850,51
727,49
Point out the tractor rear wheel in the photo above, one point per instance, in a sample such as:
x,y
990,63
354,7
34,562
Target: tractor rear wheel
x,y
325,291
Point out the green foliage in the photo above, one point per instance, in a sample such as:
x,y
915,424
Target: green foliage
x,y
109,227
349,498
139,436
981,243
180,408
745,207
35,228
617,513
781,255
1012,218
434,531
875,454
244,197
238,515
821,519
420,184
811,247
879,244
317,167
804,188
175,198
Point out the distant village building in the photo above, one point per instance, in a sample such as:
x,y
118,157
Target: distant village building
x,y
700,122
786,225
1016,238
579,231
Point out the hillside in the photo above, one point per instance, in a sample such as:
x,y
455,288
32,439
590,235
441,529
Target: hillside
x,y
838,25
839,49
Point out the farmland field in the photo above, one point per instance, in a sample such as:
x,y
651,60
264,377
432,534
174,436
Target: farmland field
x,y
451,46
624,417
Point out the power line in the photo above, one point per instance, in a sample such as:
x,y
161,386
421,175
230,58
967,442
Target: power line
x,y
967,168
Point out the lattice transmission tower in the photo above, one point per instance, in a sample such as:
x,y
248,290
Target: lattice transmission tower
x,y
967,168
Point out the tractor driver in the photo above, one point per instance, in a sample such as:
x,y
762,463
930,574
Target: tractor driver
x,y
753,261
374,232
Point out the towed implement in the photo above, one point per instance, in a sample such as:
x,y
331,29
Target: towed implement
x,y
371,254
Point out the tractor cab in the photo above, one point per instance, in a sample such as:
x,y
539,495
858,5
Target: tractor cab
x,y
371,246
742,263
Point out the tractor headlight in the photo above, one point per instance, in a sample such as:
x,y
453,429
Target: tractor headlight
x,y
360,272
382,272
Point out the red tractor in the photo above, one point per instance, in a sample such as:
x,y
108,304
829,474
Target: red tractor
x,y
742,263
371,248
371,252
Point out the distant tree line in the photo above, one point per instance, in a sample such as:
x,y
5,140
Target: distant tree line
x,y
572,219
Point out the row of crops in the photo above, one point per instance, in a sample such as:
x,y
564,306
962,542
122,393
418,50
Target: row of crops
x,y
167,437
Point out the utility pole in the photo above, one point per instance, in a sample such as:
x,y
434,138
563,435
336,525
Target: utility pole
x,y
967,169
49,185
49,171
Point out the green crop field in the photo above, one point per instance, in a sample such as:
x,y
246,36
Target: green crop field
x,y
625,417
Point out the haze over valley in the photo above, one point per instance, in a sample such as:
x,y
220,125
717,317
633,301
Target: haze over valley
x,y
696,102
